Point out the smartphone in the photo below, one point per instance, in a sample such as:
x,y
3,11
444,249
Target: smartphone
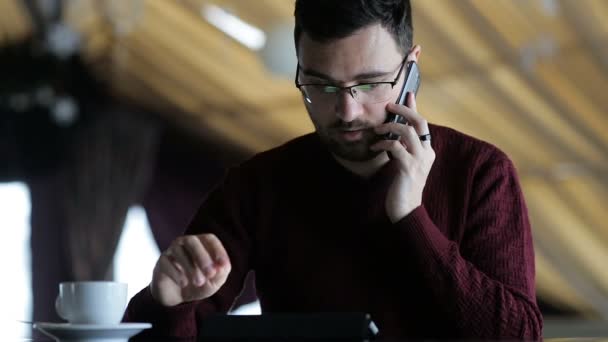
x,y
411,84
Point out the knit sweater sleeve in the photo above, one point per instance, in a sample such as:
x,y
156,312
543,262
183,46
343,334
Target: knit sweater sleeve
x,y
485,284
223,213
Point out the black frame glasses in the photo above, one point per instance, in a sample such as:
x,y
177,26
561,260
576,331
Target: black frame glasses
x,y
339,89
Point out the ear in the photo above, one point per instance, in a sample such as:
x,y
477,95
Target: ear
x,y
414,53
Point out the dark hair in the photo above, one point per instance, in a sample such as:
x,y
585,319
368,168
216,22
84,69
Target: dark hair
x,y
325,20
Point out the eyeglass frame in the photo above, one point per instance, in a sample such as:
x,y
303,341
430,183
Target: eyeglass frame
x,y
349,88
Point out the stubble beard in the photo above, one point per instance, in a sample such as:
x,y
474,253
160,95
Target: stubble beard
x,y
357,151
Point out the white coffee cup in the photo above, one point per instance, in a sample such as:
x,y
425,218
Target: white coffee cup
x,y
91,302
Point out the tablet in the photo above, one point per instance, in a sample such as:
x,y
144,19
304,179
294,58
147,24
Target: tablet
x,y
288,327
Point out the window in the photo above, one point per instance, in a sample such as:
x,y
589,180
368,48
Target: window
x,y
136,253
16,291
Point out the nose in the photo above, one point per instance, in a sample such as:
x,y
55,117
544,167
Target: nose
x,y
347,108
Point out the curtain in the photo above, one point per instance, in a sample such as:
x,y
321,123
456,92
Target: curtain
x,y
112,158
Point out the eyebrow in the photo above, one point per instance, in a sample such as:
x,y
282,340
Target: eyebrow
x,y
361,76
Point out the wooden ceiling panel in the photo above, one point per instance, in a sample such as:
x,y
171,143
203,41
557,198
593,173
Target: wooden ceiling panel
x,y
567,76
456,28
585,75
289,121
597,12
86,16
250,139
501,126
437,106
586,193
505,19
548,19
209,55
191,75
555,288
562,220
543,113
214,54
519,23
263,14
435,61
15,24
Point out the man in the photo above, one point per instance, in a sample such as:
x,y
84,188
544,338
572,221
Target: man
x,y
431,237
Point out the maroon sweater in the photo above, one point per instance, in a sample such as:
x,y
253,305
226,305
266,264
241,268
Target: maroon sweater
x,y
459,266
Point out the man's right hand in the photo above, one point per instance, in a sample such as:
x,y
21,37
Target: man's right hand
x,y
194,267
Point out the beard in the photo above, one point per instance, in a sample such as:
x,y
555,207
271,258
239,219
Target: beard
x,y
358,150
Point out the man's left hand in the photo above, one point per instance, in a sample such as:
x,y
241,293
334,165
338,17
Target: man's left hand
x,y
414,157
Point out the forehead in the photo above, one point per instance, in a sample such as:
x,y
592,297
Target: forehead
x,y
370,48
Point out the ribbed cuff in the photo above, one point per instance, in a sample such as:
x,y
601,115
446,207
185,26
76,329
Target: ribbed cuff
x,y
421,234
178,321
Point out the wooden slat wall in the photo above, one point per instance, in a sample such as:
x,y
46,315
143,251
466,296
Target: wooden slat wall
x,y
15,23
548,114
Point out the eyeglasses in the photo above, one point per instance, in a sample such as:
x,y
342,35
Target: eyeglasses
x,y
364,93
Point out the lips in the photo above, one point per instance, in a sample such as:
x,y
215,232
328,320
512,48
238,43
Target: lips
x,y
351,135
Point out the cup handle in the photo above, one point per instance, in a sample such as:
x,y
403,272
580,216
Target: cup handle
x,y
59,308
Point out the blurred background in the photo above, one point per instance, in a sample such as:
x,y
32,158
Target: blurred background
x,y
117,116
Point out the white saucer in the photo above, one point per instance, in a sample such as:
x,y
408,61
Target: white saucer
x,y
65,332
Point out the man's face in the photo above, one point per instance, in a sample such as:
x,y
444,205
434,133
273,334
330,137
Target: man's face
x,y
344,124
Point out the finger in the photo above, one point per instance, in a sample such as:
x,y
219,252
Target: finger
x,y
168,268
407,133
395,147
411,140
411,115
222,272
184,261
396,128
200,257
216,250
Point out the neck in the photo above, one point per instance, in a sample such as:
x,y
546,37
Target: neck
x,y
366,168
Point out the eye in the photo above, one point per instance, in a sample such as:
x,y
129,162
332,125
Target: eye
x,y
366,87
329,89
